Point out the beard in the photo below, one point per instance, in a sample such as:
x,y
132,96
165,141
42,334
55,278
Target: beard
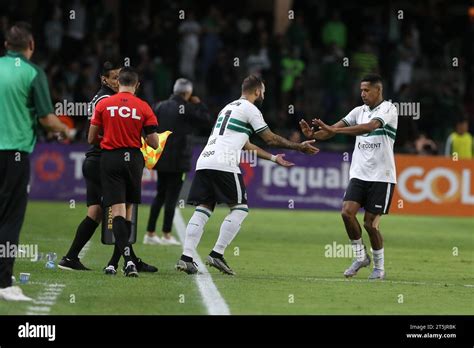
x,y
258,102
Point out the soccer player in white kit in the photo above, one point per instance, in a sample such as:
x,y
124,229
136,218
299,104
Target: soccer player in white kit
x,y
218,178
372,173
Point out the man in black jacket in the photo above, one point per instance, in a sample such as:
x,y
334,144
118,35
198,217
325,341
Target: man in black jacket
x,y
181,113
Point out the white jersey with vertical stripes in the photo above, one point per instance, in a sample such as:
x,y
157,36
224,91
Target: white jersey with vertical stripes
x,y
235,123
373,158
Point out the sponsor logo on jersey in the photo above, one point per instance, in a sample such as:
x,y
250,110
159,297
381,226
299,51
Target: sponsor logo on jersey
x,y
208,153
369,146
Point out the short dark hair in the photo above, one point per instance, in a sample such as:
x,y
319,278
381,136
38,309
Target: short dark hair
x,y
372,78
108,66
460,120
128,77
251,83
18,37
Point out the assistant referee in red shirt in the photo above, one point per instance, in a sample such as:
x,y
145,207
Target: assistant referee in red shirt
x,y
122,118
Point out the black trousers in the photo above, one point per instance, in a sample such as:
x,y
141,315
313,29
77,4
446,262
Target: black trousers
x,y
168,187
14,178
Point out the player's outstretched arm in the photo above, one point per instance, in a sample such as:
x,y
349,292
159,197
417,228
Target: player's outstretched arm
x,y
261,153
321,134
351,130
273,139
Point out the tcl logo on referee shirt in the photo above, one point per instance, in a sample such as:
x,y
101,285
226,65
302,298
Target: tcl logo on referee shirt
x,y
122,117
123,112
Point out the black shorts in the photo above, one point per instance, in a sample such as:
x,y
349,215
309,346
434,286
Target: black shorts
x,y
91,173
121,176
215,186
375,197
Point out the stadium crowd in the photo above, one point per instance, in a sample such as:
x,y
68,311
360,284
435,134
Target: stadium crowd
x,y
313,69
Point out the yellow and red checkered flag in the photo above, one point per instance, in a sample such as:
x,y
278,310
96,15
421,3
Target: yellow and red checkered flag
x,y
151,155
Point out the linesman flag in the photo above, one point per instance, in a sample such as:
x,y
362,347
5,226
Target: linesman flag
x,y
151,155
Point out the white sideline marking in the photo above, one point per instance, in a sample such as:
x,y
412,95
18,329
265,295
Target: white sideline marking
x,y
213,300
46,299
402,282
84,250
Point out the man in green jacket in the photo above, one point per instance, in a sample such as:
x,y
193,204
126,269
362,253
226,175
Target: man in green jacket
x,y
24,102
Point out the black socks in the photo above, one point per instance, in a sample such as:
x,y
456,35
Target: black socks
x,y
121,233
186,258
216,255
84,233
117,254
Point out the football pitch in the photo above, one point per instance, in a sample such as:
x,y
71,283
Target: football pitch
x,y
285,262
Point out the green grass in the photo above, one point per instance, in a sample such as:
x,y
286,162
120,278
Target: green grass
x,y
280,256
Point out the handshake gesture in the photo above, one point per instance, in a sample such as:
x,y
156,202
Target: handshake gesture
x,y
307,147
325,130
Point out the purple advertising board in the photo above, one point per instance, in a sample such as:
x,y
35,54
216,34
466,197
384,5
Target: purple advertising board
x,y
56,174
315,182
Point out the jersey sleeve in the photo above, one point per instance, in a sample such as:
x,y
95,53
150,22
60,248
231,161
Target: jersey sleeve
x,y
96,119
256,120
351,118
91,106
40,94
150,117
387,117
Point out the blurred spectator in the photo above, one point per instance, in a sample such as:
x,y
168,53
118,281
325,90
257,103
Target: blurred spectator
x,y
76,30
413,54
334,78
258,60
425,146
189,45
292,67
448,102
334,31
244,27
297,33
407,129
364,60
145,69
53,31
460,142
211,42
163,79
220,89
406,59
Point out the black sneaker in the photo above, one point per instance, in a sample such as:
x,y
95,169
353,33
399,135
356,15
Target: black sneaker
x,y
144,267
219,263
131,270
72,265
110,270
